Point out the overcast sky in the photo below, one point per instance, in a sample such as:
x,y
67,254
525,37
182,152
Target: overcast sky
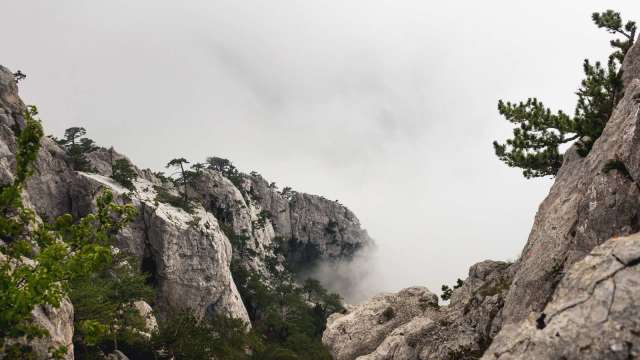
x,y
388,106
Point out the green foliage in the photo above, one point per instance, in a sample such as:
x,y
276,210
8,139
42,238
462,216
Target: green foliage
x,y
447,292
388,314
104,311
612,22
179,163
164,196
227,169
288,318
261,222
539,132
197,168
38,261
123,173
184,336
76,146
19,76
162,177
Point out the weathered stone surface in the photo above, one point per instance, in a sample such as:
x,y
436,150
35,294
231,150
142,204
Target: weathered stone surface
x,y
255,214
59,323
631,65
251,231
188,254
594,313
364,327
327,225
587,205
461,330
401,342
145,310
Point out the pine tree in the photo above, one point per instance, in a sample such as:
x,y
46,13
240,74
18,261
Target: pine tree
x,y
104,309
123,173
540,132
179,163
76,146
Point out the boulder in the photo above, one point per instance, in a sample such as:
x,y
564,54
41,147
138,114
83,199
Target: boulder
x,y
593,199
593,314
364,327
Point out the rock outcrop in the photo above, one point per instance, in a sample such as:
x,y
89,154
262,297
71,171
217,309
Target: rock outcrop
x,y
555,302
364,327
424,330
188,253
311,227
593,199
59,324
594,312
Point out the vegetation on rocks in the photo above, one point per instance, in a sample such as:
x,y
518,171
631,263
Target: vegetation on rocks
x,y
447,291
40,262
76,146
539,132
123,173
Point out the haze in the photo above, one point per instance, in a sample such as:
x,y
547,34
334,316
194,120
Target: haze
x,y
388,106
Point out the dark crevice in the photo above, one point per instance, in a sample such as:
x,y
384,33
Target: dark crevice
x,y
592,289
540,323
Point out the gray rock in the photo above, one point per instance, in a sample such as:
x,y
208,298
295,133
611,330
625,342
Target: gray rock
x,y
59,323
241,216
594,312
364,327
631,65
116,355
145,310
593,199
189,253
461,330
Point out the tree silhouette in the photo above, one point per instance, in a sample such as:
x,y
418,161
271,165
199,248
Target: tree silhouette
x,y
539,132
179,163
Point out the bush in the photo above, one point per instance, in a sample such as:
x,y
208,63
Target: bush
x,y
123,173
164,196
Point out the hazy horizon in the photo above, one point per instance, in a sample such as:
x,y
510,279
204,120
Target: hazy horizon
x,y
388,106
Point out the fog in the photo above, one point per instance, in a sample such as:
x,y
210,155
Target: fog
x,y
388,106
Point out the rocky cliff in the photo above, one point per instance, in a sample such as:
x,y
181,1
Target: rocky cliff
x,y
572,292
187,251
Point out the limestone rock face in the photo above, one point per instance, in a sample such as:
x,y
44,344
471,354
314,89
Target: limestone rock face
x,y
187,254
48,188
243,217
59,323
364,327
594,313
461,330
326,225
631,65
593,199
311,227
145,310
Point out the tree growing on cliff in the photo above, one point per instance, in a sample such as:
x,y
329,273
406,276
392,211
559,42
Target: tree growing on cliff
x,y
123,173
105,315
539,132
447,292
37,261
76,146
179,164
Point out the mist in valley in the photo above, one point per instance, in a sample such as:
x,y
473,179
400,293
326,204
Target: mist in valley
x,y
387,106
